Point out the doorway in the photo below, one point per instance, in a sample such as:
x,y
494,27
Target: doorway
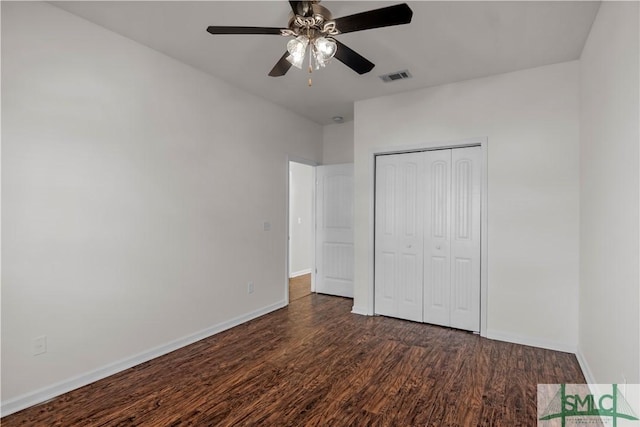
x,y
301,230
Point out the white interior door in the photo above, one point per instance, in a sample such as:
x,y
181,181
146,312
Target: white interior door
x,y
334,230
399,242
427,237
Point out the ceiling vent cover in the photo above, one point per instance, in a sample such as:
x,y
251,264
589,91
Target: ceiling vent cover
x,y
398,75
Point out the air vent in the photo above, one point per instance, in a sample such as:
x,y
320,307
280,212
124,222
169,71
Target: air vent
x,y
398,75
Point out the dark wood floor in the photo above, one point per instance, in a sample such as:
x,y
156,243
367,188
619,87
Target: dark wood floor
x,y
314,363
299,287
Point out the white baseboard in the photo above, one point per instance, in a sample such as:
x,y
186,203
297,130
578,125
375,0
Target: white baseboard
x,y
42,395
586,371
359,310
300,273
533,342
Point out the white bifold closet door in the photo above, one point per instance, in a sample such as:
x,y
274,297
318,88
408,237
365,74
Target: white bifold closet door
x,y
398,231
427,242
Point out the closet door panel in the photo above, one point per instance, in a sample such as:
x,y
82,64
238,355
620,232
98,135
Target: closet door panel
x,y
437,233
410,243
465,238
385,235
398,267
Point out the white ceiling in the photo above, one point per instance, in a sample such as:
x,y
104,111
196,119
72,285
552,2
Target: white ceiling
x,y
446,42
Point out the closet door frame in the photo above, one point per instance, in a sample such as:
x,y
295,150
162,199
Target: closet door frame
x,y
483,143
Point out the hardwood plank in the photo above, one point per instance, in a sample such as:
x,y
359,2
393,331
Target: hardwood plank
x,y
299,287
314,363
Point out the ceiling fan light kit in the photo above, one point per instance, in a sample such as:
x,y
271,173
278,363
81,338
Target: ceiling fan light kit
x,y
321,51
312,33
313,30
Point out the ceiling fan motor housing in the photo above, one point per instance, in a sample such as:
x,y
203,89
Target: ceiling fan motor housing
x,y
319,23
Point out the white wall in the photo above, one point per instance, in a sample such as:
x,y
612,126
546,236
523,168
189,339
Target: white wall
x,y
337,143
530,119
609,213
134,194
301,219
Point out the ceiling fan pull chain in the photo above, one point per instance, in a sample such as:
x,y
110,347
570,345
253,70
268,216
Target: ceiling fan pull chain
x,y
311,47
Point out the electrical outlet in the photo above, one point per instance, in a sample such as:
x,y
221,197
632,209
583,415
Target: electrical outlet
x,y
250,287
39,345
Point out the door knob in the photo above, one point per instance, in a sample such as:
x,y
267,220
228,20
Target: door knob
x,y
408,246
438,247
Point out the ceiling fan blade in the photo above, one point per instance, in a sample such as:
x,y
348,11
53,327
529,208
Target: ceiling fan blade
x,y
281,67
302,8
353,59
384,17
243,30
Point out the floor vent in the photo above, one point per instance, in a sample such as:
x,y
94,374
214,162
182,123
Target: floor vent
x,y
398,75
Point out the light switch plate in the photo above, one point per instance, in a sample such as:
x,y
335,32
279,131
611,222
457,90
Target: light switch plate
x,y
39,345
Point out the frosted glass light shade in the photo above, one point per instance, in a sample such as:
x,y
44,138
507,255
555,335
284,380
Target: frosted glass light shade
x,y
297,48
325,48
323,51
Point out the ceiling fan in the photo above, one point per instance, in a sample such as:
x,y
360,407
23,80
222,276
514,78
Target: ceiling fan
x,y
313,29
